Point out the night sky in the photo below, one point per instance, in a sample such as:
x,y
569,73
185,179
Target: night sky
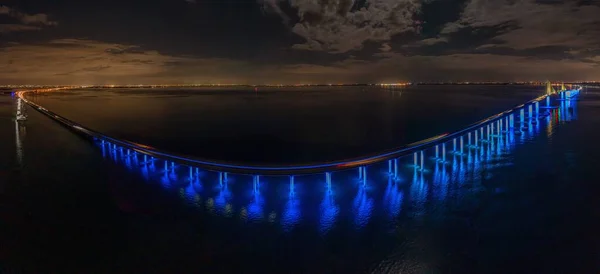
x,y
297,41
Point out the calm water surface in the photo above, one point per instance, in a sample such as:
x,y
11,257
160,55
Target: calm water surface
x,y
524,203
282,126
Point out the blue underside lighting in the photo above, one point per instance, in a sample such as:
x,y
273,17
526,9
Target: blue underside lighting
x,y
297,192
291,170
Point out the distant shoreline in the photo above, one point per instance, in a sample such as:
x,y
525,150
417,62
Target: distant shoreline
x,y
9,89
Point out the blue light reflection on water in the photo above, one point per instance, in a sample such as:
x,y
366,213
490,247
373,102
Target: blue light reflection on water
x,y
392,198
256,209
291,215
362,207
222,199
328,212
356,196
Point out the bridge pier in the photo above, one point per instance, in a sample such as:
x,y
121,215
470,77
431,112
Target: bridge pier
x,y
292,185
444,153
498,127
415,159
328,181
481,136
364,179
419,164
256,182
469,140
222,178
454,145
522,120
530,112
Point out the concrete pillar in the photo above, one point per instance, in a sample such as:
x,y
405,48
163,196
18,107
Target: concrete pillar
x,y
444,152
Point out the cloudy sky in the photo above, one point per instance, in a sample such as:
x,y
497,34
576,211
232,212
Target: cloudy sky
x,y
297,41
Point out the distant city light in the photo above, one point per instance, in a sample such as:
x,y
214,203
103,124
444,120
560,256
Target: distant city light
x,y
40,88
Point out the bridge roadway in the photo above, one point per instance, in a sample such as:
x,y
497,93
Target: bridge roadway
x,y
502,121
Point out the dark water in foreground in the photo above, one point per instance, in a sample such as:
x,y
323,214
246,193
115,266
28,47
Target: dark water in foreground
x,y
525,204
281,126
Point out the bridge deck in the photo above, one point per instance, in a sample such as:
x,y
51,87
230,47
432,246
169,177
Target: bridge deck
x,y
503,121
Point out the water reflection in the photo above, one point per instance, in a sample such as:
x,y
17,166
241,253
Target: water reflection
x,y
329,211
363,207
20,129
20,132
222,199
355,196
291,213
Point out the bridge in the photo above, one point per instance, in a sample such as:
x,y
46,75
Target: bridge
x,y
512,121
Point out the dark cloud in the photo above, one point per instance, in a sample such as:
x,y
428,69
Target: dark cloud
x,y
125,49
339,26
24,22
28,19
291,41
6,28
537,23
138,61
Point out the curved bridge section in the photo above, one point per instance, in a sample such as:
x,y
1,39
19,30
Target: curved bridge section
x,y
513,121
